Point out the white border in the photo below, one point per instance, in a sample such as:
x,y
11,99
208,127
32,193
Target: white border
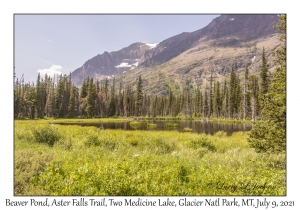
x,y
8,8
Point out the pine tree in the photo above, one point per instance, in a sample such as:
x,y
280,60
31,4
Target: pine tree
x,y
270,135
188,111
205,104
90,99
232,95
217,105
72,103
139,97
264,74
50,103
198,101
238,97
254,90
246,95
84,88
112,101
127,101
224,98
58,97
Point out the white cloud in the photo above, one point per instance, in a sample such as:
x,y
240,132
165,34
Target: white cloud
x,y
54,69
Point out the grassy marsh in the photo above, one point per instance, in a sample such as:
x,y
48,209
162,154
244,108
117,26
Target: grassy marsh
x,y
89,161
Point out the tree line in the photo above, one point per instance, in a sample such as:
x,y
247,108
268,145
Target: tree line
x,y
261,96
58,97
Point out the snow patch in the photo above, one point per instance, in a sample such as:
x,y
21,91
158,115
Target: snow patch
x,y
231,19
253,59
123,65
151,45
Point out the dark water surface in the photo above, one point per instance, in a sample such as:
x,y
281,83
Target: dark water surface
x,y
197,126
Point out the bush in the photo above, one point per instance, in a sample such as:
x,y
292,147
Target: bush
x,y
152,125
187,130
136,124
202,141
220,134
172,124
27,165
267,137
48,134
92,140
101,139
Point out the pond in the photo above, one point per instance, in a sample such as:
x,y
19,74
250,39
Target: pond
x,y
208,127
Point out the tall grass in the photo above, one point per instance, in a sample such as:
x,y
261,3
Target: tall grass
x,y
170,125
90,161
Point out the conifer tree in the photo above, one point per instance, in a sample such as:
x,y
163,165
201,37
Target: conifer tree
x,y
254,89
205,104
217,105
139,97
270,135
112,101
90,99
50,103
72,103
58,97
84,88
246,95
264,74
127,101
232,95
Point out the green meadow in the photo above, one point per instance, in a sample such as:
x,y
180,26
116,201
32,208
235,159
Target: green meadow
x,y
70,160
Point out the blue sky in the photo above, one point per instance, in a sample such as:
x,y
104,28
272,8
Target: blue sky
x,y
62,43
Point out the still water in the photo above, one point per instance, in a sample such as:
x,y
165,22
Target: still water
x,y
196,126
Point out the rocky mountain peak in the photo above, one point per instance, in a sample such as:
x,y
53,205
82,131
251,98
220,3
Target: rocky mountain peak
x,y
224,31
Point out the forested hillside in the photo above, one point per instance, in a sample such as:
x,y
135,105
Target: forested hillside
x,y
58,97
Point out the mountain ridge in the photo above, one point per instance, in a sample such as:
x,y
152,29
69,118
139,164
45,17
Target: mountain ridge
x,y
240,35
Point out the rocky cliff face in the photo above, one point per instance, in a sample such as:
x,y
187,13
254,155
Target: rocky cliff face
x,y
110,64
240,28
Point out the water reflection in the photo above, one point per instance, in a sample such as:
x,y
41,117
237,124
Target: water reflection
x,y
196,126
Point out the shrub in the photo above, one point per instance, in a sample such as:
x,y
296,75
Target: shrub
x,y
202,141
187,130
48,134
101,139
267,137
152,125
221,134
27,165
136,124
172,124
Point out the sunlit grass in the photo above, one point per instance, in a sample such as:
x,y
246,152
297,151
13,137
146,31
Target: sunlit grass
x,y
91,161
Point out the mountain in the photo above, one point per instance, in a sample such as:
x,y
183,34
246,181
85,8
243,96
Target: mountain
x,y
240,27
187,61
110,64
